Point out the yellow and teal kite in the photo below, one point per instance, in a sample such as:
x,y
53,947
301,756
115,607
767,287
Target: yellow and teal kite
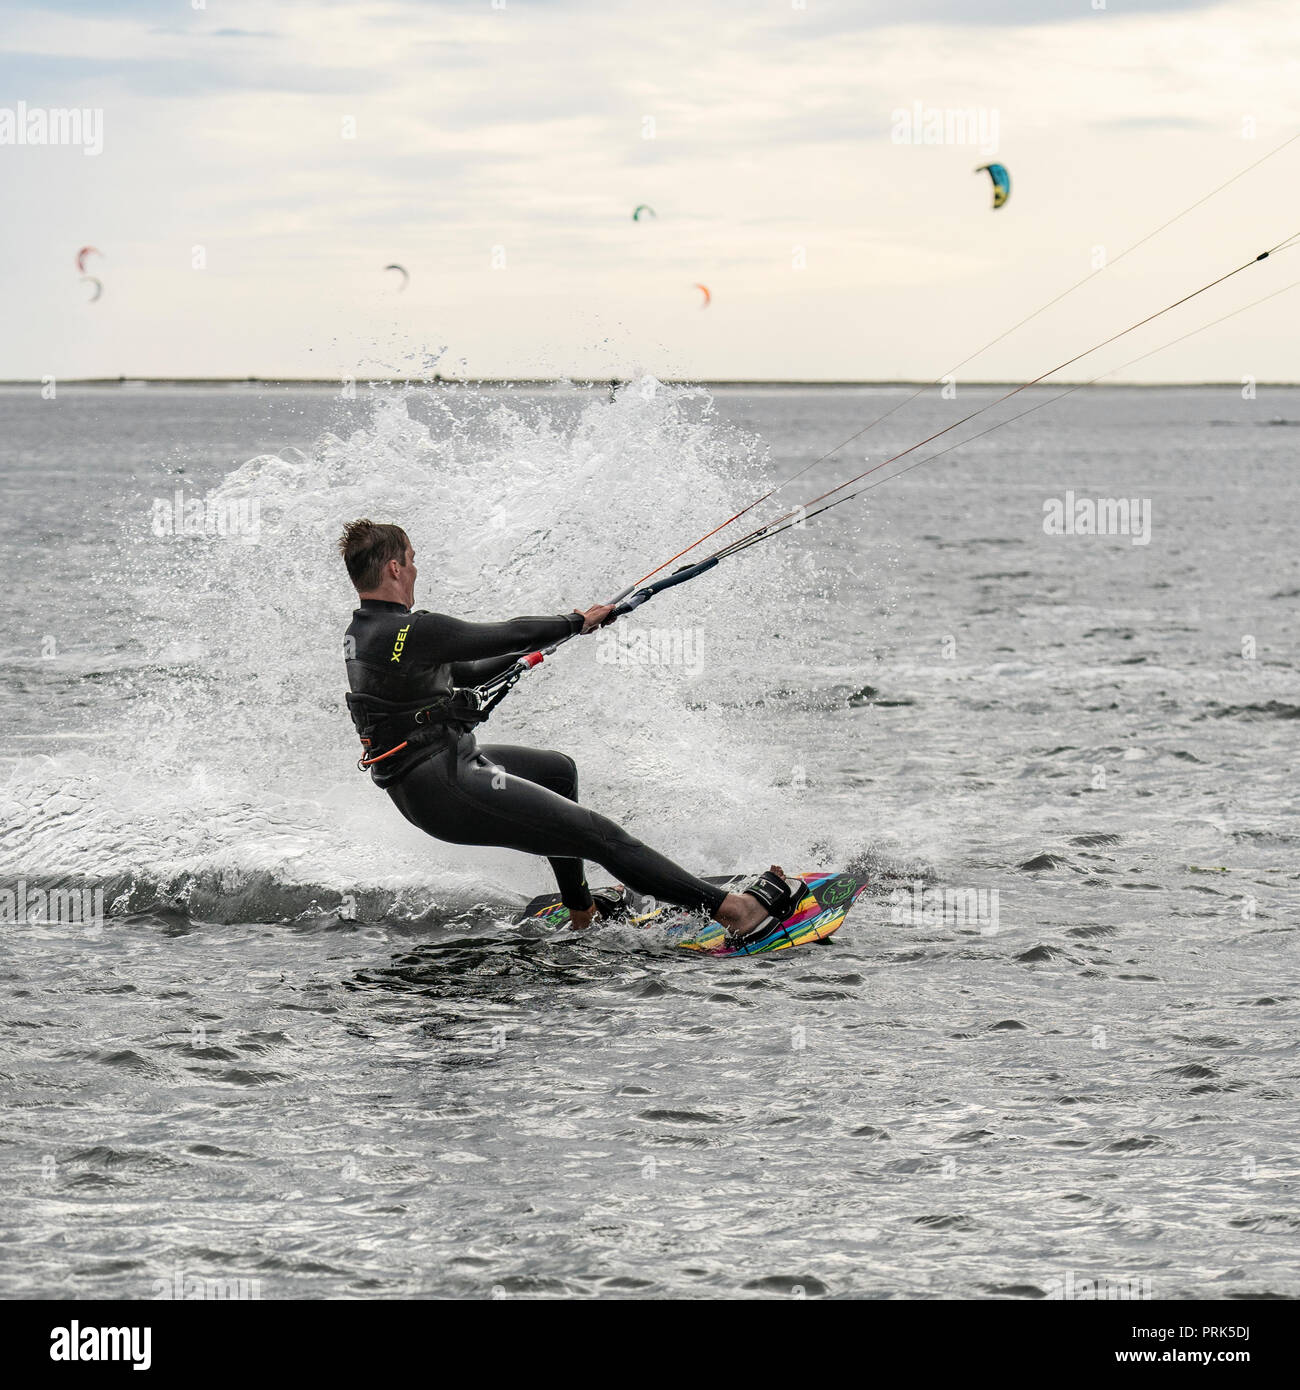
x,y
1001,182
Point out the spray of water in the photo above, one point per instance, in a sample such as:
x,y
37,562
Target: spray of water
x,y
228,786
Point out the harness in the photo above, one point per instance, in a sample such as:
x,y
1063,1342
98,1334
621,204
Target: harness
x,y
393,725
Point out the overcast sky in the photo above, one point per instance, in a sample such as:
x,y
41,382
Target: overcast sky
x,y
305,144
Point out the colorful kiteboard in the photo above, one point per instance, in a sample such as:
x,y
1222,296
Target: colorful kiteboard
x,y
821,912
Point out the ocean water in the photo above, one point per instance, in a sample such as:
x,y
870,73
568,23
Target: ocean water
x,y
305,1053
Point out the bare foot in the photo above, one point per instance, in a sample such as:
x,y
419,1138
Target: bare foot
x,y
605,903
581,919
741,913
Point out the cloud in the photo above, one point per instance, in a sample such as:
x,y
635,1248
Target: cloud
x,y
524,127
86,80
1184,123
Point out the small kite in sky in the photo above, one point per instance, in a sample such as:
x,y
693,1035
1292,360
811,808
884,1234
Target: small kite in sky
x,y
1001,182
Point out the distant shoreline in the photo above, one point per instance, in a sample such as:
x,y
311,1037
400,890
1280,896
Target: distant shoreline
x,y
604,383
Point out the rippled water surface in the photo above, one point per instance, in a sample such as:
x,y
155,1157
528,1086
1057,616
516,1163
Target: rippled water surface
x,y
307,1049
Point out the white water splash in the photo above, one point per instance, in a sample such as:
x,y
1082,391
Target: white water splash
x,y
230,778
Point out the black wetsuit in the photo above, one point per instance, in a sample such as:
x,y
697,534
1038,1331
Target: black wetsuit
x,y
497,794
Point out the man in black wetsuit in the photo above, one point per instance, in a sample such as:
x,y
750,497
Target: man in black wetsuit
x,y
412,676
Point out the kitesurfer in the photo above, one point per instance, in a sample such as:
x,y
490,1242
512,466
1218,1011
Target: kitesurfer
x,y
412,676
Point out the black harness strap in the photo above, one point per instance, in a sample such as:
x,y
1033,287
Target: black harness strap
x,y
391,725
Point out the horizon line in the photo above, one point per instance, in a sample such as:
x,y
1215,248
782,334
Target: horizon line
x,y
605,382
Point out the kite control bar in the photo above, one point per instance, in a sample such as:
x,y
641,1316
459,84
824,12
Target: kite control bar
x,y
626,605
500,686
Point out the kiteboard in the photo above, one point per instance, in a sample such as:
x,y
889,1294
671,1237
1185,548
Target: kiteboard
x,y
821,912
